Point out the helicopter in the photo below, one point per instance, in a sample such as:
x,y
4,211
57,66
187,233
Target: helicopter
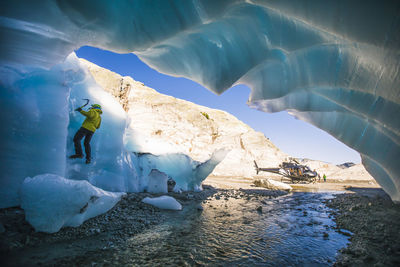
x,y
292,170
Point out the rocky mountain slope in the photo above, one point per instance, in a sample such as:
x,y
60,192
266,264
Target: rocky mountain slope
x,y
356,172
164,124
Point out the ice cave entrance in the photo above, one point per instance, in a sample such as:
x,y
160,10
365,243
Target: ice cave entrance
x,y
297,57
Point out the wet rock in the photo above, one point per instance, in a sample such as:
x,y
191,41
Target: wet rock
x,y
199,207
259,209
345,232
171,184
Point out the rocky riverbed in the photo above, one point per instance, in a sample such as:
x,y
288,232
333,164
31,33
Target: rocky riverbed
x,y
20,245
366,216
374,222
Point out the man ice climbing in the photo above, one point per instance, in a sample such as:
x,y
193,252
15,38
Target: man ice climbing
x,y
89,126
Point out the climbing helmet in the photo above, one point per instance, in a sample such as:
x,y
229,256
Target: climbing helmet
x,y
95,106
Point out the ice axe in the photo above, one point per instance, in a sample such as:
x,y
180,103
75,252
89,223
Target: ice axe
x,y
87,102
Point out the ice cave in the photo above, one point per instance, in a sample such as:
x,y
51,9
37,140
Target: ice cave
x,y
334,64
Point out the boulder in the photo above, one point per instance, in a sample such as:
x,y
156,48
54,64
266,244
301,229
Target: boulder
x,y
272,184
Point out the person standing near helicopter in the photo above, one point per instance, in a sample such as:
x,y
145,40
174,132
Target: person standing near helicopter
x,y
88,128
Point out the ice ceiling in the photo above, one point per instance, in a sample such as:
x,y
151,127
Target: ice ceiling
x,y
333,63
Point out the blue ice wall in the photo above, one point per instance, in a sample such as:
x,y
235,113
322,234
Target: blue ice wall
x,y
333,63
39,122
34,118
112,167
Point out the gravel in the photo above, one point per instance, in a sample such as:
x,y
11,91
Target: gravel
x,y
368,217
373,222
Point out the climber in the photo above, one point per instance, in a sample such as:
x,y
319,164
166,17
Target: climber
x,y
89,126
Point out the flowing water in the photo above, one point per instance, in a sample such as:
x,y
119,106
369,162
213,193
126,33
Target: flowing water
x,y
292,230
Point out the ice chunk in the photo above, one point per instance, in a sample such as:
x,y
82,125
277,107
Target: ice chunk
x,y
158,182
187,173
52,202
163,202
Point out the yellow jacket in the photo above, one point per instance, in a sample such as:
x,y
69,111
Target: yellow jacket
x,y
93,119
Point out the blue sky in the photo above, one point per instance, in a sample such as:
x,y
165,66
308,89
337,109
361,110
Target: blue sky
x,y
294,137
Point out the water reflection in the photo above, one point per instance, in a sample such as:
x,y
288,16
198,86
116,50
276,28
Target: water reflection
x,y
291,230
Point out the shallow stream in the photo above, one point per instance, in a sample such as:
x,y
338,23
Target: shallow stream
x,y
291,230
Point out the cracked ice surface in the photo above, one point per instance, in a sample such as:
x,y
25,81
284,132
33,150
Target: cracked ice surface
x,y
334,64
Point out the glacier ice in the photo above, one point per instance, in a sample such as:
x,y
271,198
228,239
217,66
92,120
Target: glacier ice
x,y
30,144
158,182
187,173
38,108
334,63
163,202
51,202
112,167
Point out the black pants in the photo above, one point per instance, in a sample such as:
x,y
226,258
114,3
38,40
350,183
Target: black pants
x,y
82,132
